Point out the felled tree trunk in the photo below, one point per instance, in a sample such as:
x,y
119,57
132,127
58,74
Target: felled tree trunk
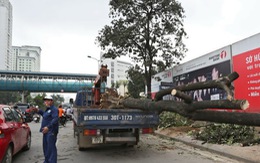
x,y
240,118
197,111
181,107
200,110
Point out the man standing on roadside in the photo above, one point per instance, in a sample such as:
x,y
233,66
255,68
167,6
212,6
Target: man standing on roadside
x,y
50,129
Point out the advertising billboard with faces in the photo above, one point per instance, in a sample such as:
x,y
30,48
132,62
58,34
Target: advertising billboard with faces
x,y
207,67
242,56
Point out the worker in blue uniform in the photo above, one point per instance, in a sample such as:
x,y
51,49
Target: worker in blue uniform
x,y
50,129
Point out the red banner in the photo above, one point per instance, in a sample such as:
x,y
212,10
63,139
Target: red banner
x,y
247,86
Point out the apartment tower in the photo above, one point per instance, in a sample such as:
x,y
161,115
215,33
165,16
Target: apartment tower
x,y
5,34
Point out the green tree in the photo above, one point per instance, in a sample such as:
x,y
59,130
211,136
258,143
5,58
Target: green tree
x,y
149,31
117,85
9,97
58,100
113,85
124,83
27,97
136,82
38,100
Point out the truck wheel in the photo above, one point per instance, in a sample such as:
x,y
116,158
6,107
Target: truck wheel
x,y
128,145
81,149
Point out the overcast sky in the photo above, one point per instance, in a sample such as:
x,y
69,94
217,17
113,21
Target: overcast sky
x,y
66,29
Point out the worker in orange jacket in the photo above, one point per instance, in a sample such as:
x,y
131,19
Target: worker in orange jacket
x,y
61,111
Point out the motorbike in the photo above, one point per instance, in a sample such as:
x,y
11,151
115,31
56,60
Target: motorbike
x,y
63,120
36,118
69,117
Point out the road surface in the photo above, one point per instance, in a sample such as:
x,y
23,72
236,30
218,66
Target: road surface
x,y
151,149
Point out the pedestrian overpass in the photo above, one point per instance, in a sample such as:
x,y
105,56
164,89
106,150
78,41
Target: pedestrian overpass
x,y
44,81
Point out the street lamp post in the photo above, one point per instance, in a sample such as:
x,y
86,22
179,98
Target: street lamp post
x,y
96,60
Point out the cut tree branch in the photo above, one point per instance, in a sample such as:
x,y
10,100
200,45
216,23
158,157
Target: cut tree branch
x,y
182,95
221,83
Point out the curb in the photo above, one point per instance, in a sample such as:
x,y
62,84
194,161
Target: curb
x,y
201,147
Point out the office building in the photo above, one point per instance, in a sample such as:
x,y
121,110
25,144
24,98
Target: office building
x,y
5,34
26,58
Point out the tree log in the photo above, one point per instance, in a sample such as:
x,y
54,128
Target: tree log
x,y
187,99
195,110
221,83
181,107
240,118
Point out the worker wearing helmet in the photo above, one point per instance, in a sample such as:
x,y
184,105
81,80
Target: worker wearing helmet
x,y
104,72
49,128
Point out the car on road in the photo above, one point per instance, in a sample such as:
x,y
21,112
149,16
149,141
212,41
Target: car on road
x,y
15,133
23,108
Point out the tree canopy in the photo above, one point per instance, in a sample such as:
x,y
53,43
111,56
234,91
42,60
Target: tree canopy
x,y
150,32
38,100
9,98
136,83
58,99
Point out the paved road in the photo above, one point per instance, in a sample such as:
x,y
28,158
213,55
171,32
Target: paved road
x,y
151,149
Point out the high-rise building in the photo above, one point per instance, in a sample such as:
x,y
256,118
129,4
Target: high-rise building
x,y
5,34
26,58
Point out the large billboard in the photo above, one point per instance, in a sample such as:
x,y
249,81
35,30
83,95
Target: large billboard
x,y
164,77
242,57
208,67
246,62
212,58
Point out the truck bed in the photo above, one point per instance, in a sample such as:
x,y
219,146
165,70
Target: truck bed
x,y
114,118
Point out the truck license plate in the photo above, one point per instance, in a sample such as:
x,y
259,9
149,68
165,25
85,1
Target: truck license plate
x,y
97,140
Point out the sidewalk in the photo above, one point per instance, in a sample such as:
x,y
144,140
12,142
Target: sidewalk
x,y
248,154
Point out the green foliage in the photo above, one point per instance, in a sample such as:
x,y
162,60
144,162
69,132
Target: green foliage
x,y
38,100
28,99
124,83
225,133
117,85
150,32
58,100
113,85
136,82
169,119
9,97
